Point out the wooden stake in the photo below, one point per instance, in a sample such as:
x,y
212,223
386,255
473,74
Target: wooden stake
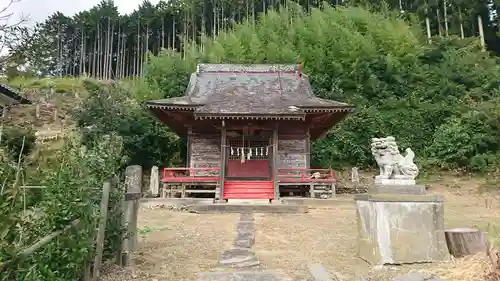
x,y
102,229
465,241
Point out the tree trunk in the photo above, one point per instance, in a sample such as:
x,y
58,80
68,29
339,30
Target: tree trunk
x,y
438,18
462,35
445,11
465,241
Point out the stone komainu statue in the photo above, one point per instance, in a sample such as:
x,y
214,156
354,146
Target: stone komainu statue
x,y
391,163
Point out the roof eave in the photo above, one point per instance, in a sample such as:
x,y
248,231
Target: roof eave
x,y
310,109
249,116
184,107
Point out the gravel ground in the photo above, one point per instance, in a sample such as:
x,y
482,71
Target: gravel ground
x,y
176,245
328,236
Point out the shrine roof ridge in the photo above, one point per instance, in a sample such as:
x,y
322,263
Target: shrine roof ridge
x,y
247,68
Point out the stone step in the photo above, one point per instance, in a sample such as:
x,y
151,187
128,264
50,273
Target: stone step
x,y
247,275
248,201
248,208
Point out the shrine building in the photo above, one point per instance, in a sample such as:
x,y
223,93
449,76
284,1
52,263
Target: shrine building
x,y
249,130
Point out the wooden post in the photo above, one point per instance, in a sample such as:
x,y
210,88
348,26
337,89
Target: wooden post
x,y
37,111
154,181
308,149
223,133
275,163
106,187
133,184
189,140
465,241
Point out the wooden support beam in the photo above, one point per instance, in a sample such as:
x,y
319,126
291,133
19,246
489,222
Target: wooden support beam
x,y
275,163
189,141
223,150
308,149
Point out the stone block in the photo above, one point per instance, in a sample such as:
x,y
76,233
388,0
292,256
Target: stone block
x,y
398,229
394,182
397,189
239,258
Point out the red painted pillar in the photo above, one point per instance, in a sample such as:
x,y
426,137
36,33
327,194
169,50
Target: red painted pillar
x,y
275,163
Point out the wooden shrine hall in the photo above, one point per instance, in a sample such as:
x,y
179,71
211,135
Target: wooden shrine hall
x,y
249,129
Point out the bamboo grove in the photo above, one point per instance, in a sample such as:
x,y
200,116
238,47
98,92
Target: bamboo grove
x,y
104,44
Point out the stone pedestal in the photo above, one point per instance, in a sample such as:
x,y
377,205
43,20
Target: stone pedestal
x,y
401,181
396,186
397,189
398,229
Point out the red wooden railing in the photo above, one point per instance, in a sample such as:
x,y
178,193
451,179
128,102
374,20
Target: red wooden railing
x,y
304,175
191,174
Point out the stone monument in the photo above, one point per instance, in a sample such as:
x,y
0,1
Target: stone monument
x,y
397,172
396,222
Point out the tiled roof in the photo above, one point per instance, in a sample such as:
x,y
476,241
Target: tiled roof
x,y
249,89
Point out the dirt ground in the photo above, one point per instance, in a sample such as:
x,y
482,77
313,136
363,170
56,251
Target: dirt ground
x,y
176,245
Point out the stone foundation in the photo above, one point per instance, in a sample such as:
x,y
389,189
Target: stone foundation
x,y
398,229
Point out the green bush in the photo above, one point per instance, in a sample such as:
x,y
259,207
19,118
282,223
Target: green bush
x,y
71,192
17,141
111,108
402,86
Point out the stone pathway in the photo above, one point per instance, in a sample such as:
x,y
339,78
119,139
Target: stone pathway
x,y
241,256
243,262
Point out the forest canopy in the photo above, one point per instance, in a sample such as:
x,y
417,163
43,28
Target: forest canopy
x,y
440,99
103,43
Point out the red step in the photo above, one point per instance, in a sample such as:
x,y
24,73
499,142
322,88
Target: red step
x,y
248,190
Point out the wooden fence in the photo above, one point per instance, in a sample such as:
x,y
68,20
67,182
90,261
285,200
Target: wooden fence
x,y
129,207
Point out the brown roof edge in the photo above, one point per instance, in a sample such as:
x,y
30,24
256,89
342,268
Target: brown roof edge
x,y
249,116
349,108
187,107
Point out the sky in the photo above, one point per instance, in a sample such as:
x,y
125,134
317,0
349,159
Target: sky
x,y
39,10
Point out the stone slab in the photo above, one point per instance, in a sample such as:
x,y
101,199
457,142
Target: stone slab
x,y
233,208
247,275
239,258
319,203
245,225
394,230
319,273
175,201
397,189
394,182
399,198
247,217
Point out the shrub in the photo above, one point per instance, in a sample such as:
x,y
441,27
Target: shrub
x,y
111,108
73,191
